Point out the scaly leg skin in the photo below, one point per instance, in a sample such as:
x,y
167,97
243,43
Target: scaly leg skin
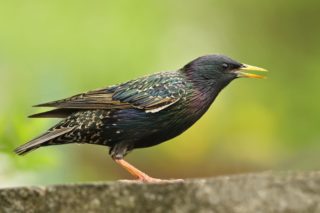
x,y
141,176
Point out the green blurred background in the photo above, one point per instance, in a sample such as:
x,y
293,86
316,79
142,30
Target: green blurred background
x,y
54,49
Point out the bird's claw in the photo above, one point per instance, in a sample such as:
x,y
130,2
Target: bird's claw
x,y
152,180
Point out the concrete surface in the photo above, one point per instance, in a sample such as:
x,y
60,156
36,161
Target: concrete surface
x,y
285,192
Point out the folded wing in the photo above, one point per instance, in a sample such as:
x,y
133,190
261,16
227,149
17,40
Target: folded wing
x,y
152,94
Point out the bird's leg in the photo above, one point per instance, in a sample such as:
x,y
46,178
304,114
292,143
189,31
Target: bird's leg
x,y
143,177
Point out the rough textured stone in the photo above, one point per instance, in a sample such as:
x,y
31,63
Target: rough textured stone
x,y
262,192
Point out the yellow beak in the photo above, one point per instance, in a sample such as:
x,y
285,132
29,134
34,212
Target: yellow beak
x,y
246,67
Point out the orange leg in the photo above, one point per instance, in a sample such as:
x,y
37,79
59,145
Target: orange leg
x,y
141,176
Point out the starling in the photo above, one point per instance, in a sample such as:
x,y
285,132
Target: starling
x,y
140,113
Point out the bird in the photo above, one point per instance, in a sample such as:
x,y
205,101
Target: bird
x,y
140,113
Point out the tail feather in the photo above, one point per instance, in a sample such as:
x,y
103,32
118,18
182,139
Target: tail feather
x,y
39,141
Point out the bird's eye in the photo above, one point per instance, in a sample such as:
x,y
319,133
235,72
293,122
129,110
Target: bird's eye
x,y
224,65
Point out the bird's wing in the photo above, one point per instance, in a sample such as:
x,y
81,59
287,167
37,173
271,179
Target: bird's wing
x,y
152,94
97,99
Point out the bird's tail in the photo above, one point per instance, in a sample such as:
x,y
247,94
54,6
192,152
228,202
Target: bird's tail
x,y
41,140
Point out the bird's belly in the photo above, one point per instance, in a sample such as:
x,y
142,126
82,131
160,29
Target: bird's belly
x,y
140,129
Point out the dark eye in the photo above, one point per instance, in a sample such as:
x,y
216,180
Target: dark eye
x,y
224,65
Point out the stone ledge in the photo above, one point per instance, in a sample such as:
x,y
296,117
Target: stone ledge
x,y
259,192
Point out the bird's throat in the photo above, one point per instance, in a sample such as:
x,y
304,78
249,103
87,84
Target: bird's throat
x,y
204,95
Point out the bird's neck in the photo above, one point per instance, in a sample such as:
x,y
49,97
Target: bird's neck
x,y
209,88
205,91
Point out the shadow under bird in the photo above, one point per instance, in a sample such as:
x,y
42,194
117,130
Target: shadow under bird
x,y
140,113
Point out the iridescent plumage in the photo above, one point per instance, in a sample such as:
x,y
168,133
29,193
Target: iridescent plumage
x,y
139,113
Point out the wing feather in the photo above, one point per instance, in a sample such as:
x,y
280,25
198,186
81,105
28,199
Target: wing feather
x,y
152,93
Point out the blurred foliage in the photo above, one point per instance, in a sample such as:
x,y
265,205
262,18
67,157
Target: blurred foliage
x,y
53,49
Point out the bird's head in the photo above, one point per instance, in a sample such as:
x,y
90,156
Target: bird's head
x,y
218,69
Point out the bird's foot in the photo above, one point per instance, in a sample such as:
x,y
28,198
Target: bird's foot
x,y
141,176
156,180
149,179
144,178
